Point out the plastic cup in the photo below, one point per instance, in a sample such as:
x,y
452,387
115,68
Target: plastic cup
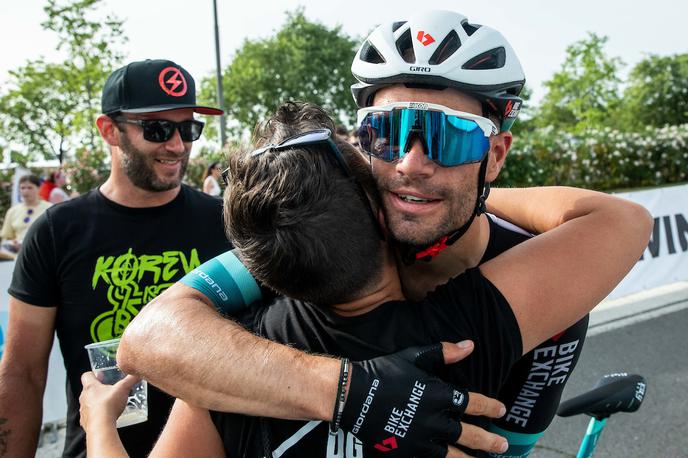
x,y
104,365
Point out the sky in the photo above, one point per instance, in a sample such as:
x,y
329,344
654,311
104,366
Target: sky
x,y
539,30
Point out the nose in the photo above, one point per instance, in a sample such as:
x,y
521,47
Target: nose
x,y
415,163
175,144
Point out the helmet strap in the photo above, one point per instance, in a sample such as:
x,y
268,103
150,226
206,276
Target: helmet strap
x,y
412,253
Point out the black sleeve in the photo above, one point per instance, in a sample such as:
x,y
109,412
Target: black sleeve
x,y
34,280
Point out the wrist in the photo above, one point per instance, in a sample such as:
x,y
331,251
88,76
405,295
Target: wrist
x,y
327,371
100,425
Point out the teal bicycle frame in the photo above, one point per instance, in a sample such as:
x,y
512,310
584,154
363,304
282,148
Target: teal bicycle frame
x,y
592,436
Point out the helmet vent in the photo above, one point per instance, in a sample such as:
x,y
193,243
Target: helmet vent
x,y
405,47
370,54
494,58
448,47
396,25
470,28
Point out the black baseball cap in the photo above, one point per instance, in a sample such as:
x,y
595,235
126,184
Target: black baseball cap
x,y
150,86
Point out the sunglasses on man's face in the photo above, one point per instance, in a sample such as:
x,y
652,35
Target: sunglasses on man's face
x,y
161,130
315,137
450,137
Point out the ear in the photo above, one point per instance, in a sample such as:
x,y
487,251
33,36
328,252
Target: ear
x,y
108,130
499,148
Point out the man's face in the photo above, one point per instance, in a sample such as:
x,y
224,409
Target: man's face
x,y
154,166
424,201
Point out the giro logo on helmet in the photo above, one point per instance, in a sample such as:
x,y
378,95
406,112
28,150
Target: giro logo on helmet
x,y
420,69
425,38
172,82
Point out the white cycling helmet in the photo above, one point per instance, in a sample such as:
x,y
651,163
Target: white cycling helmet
x,y
441,48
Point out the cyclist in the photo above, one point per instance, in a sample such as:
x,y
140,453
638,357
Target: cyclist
x,y
299,221
434,202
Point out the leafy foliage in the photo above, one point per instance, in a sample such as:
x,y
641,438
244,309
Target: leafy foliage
x,y
304,60
601,159
49,108
657,92
585,91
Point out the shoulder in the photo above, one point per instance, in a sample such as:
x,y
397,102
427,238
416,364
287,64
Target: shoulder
x,y
44,204
13,210
503,235
84,202
197,198
58,192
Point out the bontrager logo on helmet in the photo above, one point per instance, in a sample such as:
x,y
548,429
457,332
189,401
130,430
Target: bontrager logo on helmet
x,y
172,82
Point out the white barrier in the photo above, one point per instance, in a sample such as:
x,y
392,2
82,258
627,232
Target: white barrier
x,y
665,260
54,400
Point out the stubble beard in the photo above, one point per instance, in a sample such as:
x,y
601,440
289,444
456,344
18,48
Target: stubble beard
x,y
138,167
422,231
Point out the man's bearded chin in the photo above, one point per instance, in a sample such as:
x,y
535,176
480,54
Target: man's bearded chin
x,y
138,167
420,232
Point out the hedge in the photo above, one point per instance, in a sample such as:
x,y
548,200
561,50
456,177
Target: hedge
x,y
603,159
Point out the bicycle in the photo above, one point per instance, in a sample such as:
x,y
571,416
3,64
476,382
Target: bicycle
x,y
613,393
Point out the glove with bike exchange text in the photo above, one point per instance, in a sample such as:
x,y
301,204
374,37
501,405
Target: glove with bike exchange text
x,y
398,410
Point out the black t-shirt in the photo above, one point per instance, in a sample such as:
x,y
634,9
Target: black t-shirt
x,y
99,263
468,307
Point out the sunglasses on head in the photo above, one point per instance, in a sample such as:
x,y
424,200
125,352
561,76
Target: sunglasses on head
x,y
312,138
161,130
450,137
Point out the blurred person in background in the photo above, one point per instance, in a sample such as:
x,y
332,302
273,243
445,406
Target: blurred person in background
x,y
57,193
20,216
211,184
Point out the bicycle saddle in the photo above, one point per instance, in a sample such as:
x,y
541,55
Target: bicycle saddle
x,y
613,393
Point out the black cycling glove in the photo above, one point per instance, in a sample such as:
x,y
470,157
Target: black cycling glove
x,y
398,410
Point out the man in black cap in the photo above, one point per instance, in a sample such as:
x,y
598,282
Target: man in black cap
x,y
92,263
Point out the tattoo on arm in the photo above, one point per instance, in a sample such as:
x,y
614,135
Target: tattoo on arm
x,y
4,433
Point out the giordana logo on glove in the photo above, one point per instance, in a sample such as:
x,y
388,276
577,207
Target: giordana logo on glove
x,y
396,408
366,406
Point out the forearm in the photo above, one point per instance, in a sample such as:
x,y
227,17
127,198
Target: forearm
x,y
540,209
20,421
102,441
214,363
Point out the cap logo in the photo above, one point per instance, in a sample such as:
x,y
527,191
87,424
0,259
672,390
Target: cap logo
x,y
172,82
424,38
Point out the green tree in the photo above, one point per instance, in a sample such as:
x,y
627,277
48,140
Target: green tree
x,y
304,60
48,109
585,91
657,92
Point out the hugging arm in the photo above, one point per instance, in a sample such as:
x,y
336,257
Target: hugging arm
x,y
214,363
590,242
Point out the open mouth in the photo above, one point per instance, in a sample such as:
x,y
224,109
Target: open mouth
x,y
414,199
168,161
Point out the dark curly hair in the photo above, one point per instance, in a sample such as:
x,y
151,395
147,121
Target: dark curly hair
x,y
299,222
